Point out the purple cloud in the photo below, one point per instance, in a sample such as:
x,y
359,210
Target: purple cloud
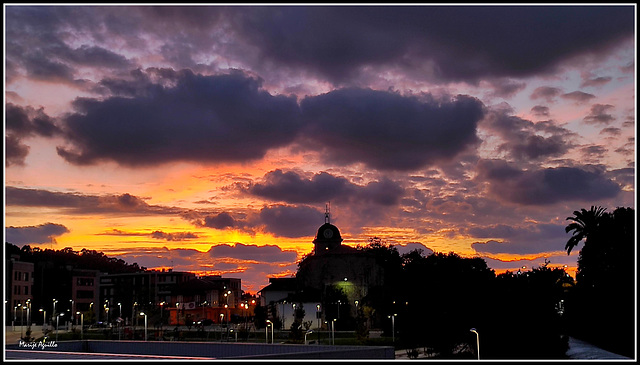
x,y
545,186
387,131
43,233
202,118
322,187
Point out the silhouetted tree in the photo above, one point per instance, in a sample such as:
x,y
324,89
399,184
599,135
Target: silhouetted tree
x,y
601,307
585,224
523,320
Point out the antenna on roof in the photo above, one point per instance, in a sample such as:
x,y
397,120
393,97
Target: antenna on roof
x,y
327,213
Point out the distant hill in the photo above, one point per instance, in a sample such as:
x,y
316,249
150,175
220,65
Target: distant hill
x,y
67,258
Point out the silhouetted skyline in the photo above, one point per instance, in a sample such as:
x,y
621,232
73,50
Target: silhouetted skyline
x,y
210,138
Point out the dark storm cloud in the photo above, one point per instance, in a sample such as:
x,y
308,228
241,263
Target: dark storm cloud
x,y
15,151
43,233
280,220
166,115
22,123
27,121
337,42
600,114
40,67
81,203
220,221
37,36
322,187
268,253
290,221
387,131
545,186
523,139
202,118
530,239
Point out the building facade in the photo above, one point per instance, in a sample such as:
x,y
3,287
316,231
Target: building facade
x,y
330,284
124,297
19,291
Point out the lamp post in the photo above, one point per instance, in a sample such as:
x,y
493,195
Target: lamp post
x,y
54,307
73,319
120,310
44,319
333,333
318,314
145,324
133,315
28,313
221,322
270,323
21,320
81,325
393,326
58,324
477,340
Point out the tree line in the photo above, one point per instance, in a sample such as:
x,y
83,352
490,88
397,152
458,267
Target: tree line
x,y
436,299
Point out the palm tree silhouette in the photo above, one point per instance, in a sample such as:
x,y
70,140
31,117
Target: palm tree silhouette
x,y
585,224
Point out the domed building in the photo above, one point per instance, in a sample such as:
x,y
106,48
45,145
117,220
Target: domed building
x,y
333,268
332,280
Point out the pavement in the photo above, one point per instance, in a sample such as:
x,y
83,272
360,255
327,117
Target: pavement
x,y
582,350
578,350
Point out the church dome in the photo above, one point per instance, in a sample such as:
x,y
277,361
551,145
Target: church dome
x,y
328,233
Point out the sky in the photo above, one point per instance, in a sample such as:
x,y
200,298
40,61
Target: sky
x,y
213,138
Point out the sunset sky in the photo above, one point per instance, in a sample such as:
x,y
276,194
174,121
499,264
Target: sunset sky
x,y
211,139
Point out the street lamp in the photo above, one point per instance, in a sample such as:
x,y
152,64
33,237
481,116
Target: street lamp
x,y
81,325
54,307
477,340
393,326
318,314
271,323
21,320
28,313
333,332
44,319
120,309
73,320
133,315
106,309
58,324
145,324
226,306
